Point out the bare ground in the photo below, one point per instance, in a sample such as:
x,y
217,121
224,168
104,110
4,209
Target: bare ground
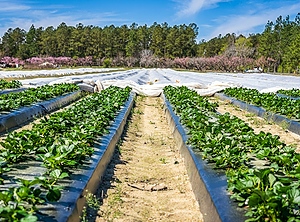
x,y
147,179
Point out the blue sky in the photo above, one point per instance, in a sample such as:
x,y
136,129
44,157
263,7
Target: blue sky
x,y
213,17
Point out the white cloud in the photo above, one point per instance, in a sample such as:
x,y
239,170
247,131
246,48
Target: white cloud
x,y
10,7
191,7
246,23
50,16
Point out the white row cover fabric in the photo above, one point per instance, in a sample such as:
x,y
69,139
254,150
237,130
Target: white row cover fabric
x,y
52,72
150,82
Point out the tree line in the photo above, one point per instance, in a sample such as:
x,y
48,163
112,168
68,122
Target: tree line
x,y
277,48
109,42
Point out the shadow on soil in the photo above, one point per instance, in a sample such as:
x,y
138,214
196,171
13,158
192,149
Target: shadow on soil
x,y
109,177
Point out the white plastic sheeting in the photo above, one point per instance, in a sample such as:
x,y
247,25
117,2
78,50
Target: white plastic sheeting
x,y
150,82
52,72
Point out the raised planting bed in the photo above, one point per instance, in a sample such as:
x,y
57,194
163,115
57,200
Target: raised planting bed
x,y
281,110
262,172
7,91
13,84
12,101
27,105
291,92
23,115
46,170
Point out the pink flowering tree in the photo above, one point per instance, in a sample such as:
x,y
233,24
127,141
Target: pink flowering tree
x,y
11,61
6,60
50,60
34,61
18,61
63,61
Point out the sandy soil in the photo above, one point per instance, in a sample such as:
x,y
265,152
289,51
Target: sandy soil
x,y
260,124
147,179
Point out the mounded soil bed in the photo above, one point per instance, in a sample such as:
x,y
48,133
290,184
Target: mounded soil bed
x,y
260,124
146,179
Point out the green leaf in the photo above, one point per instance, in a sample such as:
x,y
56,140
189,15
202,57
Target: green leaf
x,y
37,192
5,196
23,192
297,200
29,218
254,200
272,179
64,175
285,180
53,195
55,173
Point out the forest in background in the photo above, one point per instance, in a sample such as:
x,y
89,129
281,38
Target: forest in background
x,y
276,49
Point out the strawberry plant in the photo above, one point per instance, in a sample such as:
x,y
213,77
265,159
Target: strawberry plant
x,y
61,143
269,101
4,84
30,96
291,92
269,192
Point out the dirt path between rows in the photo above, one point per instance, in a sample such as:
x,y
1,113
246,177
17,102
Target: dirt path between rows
x,y
260,124
147,179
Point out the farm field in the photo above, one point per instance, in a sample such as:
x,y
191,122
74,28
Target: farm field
x,y
31,96
17,74
260,124
261,170
147,179
39,157
157,77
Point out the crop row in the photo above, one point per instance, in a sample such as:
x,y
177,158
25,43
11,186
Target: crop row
x,y
4,84
270,192
291,92
60,143
30,96
269,101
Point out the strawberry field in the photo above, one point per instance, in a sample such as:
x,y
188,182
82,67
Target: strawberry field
x,y
43,166
4,84
270,101
59,143
268,191
292,92
30,96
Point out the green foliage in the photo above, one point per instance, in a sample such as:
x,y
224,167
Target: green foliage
x,y
4,84
12,40
278,44
270,101
269,192
291,92
62,142
107,42
107,63
12,101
